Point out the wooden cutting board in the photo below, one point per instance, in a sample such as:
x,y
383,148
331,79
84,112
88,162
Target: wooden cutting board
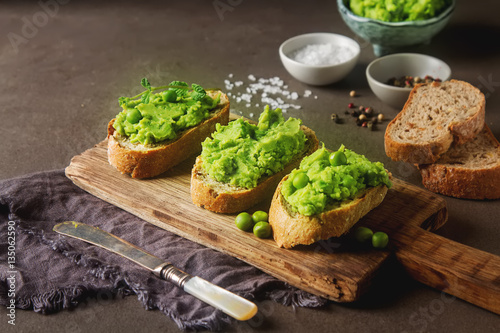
x,y
337,269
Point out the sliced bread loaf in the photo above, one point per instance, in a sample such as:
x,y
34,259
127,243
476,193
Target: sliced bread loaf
x,y
470,170
149,160
220,197
434,116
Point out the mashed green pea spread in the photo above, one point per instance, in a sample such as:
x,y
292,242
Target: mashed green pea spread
x,y
328,184
241,153
398,10
154,117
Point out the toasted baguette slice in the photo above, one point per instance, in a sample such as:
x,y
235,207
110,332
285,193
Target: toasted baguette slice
x,y
435,115
145,161
291,228
220,197
469,171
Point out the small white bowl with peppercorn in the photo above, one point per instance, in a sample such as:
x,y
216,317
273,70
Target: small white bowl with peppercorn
x,y
319,58
391,78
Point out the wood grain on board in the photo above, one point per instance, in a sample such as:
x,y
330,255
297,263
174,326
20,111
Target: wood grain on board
x,y
337,269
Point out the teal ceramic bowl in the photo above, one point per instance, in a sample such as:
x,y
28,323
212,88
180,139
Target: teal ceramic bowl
x,y
390,37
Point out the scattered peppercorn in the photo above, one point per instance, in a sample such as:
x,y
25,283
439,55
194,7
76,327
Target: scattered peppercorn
x,y
363,116
352,93
410,81
335,118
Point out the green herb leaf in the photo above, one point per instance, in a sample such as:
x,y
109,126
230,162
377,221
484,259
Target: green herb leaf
x,y
122,100
180,91
145,83
198,92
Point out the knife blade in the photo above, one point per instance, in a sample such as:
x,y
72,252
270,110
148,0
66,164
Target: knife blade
x,y
220,298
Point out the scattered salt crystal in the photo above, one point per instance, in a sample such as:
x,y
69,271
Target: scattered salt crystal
x,y
322,54
268,89
230,75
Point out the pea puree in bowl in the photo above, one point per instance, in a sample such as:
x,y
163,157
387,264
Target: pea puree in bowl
x,y
240,154
325,179
149,117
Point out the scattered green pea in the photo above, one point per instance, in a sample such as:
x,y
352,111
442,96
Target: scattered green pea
x,y
133,116
338,158
380,240
262,229
244,221
363,234
170,96
300,180
259,216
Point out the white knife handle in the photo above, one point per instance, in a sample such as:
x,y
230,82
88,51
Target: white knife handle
x,y
229,303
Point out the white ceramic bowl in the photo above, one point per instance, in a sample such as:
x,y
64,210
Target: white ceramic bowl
x,y
318,74
397,65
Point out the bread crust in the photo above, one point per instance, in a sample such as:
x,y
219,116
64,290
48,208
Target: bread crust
x,y
222,198
142,161
291,228
461,181
430,151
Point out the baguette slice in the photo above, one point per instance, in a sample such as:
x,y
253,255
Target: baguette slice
x,y
469,171
219,197
291,228
146,161
435,115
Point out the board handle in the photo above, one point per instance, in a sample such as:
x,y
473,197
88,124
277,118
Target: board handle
x,y
459,270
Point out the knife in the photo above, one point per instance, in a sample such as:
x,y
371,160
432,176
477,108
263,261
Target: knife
x,y
222,299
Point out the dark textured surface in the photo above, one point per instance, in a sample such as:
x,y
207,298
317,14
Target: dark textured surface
x,y
60,88
54,272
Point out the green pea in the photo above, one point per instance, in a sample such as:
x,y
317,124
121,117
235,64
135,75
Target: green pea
x,y
259,216
300,180
170,96
244,221
262,230
363,234
338,158
380,240
133,116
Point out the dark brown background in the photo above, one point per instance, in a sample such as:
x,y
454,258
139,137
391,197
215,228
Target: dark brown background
x,y
59,88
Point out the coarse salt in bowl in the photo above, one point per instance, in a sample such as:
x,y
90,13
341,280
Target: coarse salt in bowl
x,y
319,58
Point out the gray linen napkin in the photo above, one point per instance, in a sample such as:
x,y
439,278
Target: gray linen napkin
x,y
53,272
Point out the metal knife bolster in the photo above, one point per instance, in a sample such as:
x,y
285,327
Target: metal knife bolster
x,y
168,272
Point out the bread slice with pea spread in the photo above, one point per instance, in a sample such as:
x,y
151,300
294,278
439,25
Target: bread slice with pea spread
x,y
434,116
149,160
468,171
221,197
292,228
